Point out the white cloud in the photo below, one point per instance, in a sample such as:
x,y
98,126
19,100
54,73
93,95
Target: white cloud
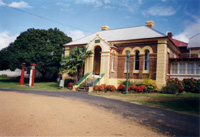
x,y
75,34
5,39
181,37
189,31
96,3
64,6
20,4
2,3
106,1
160,11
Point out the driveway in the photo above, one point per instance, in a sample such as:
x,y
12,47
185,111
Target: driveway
x,y
168,122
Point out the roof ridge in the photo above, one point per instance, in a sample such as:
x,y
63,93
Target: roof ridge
x,y
194,35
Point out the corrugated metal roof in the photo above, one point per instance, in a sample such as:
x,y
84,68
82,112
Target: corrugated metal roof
x,y
178,43
194,42
139,32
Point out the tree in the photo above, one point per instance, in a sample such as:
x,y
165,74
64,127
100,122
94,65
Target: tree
x,y
43,47
74,63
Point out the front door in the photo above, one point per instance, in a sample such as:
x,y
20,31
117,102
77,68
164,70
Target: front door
x,y
97,60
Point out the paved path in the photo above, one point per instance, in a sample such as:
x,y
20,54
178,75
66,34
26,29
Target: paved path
x,y
169,122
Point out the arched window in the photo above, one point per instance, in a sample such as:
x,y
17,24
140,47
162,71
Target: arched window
x,y
127,60
137,60
146,64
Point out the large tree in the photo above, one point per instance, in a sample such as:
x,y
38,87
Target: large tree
x,y
74,63
43,47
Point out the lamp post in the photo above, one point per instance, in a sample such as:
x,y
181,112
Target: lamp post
x,y
127,70
22,74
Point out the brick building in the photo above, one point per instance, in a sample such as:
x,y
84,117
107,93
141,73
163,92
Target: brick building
x,y
151,54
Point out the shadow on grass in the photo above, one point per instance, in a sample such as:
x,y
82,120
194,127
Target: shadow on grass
x,y
186,105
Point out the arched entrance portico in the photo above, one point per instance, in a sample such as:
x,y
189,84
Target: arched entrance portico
x,y
97,60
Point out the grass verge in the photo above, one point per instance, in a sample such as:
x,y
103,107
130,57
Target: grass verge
x,y
13,83
187,103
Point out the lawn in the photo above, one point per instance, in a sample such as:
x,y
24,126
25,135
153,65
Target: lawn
x,y
184,103
13,83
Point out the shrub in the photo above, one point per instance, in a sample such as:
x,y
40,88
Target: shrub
x,y
141,88
191,85
70,84
113,88
101,88
150,85
173,86
96,88
110,88
121,87
124,83
132,88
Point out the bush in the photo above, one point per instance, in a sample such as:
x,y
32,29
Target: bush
x,y
104,87
121,87
110,88
140,88
173,86
96,88
124,83
191,85
70,85
150,85
132,88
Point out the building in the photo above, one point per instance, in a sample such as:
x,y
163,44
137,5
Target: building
x,y
187,65
151,54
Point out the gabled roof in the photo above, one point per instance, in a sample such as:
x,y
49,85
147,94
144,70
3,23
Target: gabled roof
x,y
194,42
139,32
178,43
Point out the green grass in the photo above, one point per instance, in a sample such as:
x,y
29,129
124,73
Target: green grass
x,y
13,83
184,103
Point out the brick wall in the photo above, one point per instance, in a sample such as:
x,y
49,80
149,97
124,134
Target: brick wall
x,y
119,64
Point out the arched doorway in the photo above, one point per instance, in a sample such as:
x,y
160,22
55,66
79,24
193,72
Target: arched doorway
x,y
97,60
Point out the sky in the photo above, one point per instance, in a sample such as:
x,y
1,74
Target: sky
x,y
78,18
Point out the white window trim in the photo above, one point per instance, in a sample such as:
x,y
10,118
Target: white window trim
x,y
186,69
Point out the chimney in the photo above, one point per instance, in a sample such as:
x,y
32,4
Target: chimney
x,y
169,34
150,24
105,27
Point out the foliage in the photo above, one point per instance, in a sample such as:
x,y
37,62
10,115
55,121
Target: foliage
x,y
124,82
3,76
121,87
74,63
70,84
104,87
140,88
191,85
173,86
43,47
111,88
132,88
150,85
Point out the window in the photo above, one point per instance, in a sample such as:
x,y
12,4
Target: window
x,y
174,68
137,60
146,64
127,60
112,64
182,68
197,68
190,68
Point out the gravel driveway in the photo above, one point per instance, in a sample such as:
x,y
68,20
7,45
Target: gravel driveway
x,y
168,122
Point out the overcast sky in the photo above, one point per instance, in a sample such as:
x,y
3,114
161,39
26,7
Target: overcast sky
x,y
78,18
